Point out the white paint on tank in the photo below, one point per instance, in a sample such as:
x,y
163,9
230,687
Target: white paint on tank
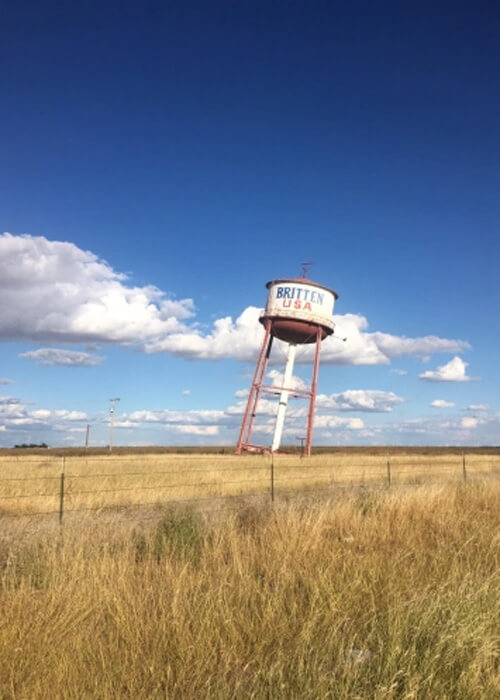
x,y
300,301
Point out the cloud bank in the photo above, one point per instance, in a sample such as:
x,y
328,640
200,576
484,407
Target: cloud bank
x,y
55,292
52,291
241,339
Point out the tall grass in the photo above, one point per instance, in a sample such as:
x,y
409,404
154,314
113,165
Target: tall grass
x,y
381,594
30,484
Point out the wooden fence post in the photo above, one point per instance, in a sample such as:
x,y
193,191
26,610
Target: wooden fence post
x,y
272,478
464,470
388,471
61,490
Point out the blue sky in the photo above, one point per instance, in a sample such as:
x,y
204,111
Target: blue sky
x,y
159,164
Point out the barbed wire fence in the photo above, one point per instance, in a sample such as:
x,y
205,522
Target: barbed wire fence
x,y
69,491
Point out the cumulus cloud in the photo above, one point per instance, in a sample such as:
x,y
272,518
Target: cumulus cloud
x,y
277,379
469,422
338,422
453,371
186,392
241,339
360,400
54,291
241,393
4,380
169,417
16,416
477,407
481,429
196,429
20,422
441,403
63,358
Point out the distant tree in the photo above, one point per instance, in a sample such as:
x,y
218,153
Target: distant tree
x,y
32,444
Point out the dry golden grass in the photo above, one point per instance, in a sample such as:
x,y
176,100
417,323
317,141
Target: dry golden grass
x,y
378,594
30,484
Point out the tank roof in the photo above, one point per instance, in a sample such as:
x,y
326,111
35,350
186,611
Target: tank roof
x,y
302,280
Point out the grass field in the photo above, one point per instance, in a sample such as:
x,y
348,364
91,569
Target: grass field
x,y
30,483
371,593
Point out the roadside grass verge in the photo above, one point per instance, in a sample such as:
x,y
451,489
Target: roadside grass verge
x,y
380,594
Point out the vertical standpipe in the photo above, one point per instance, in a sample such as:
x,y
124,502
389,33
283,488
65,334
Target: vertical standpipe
x,y
283,402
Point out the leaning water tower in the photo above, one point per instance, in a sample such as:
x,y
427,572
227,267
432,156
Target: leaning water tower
x,y
298,312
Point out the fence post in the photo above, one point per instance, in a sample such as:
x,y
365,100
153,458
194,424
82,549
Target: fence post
x,y
272,477
388,471
61,490
464,470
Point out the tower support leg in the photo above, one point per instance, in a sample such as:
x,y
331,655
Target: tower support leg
x,y
283,402
312,400
255,390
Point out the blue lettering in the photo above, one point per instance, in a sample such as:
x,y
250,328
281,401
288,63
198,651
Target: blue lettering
x,y
320,296
313,297
286,292
306,294
279,293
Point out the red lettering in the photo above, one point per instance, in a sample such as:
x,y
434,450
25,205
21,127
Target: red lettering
x,y
307,306
297,304
287,303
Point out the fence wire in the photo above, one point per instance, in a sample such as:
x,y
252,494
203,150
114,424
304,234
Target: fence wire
x,y
272,477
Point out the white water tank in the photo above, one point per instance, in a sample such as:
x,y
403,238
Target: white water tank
x,y
297,308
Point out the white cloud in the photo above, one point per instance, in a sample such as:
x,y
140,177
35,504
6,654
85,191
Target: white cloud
x,y
21,423
125,423
400,372
186,392
469,422
4,380
360,400
195,429
54,291
453,371
241,339
62,358
277,379
70,415
168,417
441,403
434,430
338,422
41,413
17,419
241,393
477,407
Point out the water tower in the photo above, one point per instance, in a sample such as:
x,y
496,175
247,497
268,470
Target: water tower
x,y
298,312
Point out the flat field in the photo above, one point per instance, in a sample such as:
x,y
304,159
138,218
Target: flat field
x,y
364,592
31,483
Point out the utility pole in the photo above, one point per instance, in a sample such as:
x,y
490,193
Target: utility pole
x,y
112,409
87,434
